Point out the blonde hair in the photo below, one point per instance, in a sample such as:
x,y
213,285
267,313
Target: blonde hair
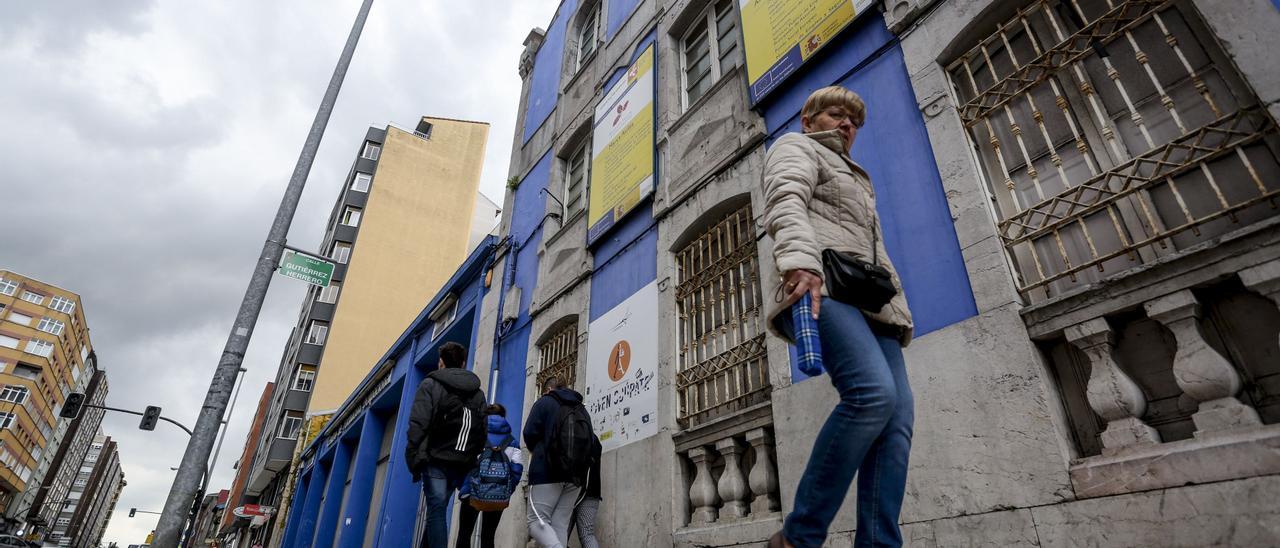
x,y
836,96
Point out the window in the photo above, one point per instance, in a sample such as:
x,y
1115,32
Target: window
x,y
19,318
351,216
6,420
40,348
444,318
317,333
8,342
14,393
305,378
371,150
329,294
34,298
52,326
290,424
8,287
558,356
27,371
709,50
721,354
62,304
1104,158
576,178
588,36
361,182
341,252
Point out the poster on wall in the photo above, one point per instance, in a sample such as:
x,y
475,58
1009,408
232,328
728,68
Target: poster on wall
x,y
621,370
622,148
780,35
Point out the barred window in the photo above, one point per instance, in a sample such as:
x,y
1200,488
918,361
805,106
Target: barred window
x,y
558,356
722,353
1112,133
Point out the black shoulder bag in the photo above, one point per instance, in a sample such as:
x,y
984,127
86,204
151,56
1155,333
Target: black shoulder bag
x,y
856,282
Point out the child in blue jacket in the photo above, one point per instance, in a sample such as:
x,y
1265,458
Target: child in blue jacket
x,y
499,431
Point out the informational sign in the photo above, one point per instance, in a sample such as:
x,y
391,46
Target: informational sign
x,y
252,510
621,370
622,142
308,268
780,35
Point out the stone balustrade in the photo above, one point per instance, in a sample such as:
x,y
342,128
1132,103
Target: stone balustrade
x,y
733,478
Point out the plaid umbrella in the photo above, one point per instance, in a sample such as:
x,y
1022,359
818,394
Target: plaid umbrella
x,y
808,347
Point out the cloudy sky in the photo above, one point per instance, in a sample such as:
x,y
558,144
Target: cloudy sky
x,y
146,147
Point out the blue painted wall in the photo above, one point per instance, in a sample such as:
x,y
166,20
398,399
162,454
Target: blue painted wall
x,y
625,260
512,349
619,11
544,83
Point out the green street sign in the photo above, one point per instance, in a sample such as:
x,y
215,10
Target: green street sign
x,y
310,269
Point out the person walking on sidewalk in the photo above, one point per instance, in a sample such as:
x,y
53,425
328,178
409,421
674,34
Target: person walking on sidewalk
x,y
487,490
584,514
820,210
559,435
446,434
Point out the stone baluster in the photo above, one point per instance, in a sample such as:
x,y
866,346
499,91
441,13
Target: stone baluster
x,y
1264,279
763,477
732,484
702,494
1201,371
1112,394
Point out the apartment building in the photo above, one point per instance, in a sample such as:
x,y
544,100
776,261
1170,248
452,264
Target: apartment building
x,y
401,225
45,354
67,464
86,509
231,530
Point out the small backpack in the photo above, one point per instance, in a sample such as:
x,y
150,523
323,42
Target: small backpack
x,y
490,483
460,419
569,449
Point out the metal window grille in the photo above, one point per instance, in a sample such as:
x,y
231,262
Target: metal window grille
x,y
577,173
558,356
721,335
1112,133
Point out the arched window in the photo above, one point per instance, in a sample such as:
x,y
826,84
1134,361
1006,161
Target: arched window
x,y
722,366
1112,133
558,355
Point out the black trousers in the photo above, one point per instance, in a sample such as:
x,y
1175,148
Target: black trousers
x,y
467,516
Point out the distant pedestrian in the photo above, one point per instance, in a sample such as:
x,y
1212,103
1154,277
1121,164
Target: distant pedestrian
x,y
488,488
820,210
446,434
584,514
558,433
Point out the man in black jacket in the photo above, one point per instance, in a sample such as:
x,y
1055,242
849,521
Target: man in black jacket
x,y
446,434
553,491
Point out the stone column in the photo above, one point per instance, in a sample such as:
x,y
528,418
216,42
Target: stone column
x,y
1112,394
763,477
1201,371
702,495
732,484
1264,279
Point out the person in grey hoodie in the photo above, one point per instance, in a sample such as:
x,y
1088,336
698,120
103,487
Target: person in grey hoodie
x,y
446,434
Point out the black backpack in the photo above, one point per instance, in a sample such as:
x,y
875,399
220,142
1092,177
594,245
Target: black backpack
x,y
457,433
571,441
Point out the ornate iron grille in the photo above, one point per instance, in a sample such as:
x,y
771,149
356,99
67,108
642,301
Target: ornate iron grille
x,y
1112,133
558,356
722,352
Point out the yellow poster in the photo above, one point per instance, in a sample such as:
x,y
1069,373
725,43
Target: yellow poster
x,y
622,151
780,35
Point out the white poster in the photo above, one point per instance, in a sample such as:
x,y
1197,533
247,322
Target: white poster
x,y
621,370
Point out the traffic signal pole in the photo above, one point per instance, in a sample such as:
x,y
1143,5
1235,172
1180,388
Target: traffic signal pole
x,y
196,457
141,414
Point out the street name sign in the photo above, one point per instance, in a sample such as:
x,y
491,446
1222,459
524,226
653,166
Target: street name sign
x,y
308,268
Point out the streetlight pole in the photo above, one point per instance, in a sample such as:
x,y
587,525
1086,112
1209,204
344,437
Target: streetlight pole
x,y
196,457
204,485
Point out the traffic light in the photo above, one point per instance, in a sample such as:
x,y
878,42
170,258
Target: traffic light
x,y
149,418
132,511
71,407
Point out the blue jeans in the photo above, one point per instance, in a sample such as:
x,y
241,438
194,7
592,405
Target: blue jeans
x,y
868,433
438,484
